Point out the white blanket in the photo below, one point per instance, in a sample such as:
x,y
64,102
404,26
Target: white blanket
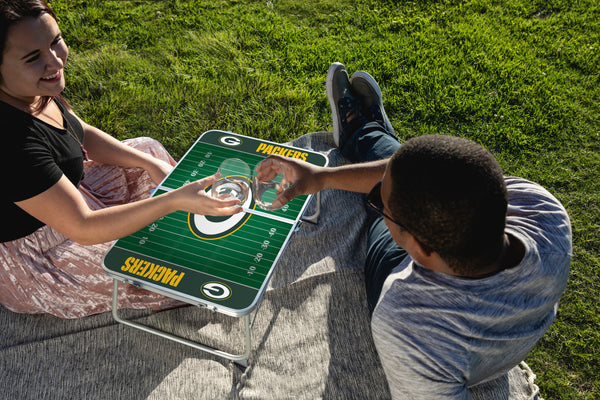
x,y
311,337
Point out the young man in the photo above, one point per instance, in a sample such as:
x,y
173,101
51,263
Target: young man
x,y
464,267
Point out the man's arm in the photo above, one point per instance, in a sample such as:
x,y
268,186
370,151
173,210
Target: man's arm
x,y
308,179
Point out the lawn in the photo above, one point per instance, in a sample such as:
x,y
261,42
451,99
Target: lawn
x,y
520,77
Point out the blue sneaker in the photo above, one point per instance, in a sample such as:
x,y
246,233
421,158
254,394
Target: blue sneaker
x,y
345,108
368,92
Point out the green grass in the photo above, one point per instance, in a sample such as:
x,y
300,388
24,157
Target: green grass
x,y
520,77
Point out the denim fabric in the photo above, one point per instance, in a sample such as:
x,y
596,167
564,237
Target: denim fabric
x,y
383,255
369,143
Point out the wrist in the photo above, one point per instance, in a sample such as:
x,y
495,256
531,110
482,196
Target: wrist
x,y
324,179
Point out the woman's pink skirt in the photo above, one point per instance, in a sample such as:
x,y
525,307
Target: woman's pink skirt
x,y
47,273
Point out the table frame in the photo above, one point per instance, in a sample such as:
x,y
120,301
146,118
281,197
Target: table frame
x,y
241,359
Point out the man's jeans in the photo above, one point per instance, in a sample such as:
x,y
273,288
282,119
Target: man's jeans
x,y
370,143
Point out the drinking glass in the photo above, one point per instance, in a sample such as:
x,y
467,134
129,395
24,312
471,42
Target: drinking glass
x,y
269,180
233,181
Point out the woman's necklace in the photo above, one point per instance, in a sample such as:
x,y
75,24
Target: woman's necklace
x,y
74,136
69,130
27,108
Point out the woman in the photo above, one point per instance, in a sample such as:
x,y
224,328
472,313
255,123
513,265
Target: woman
x,y
55,223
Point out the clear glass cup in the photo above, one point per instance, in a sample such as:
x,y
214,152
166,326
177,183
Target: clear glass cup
x,y
233,181
269,180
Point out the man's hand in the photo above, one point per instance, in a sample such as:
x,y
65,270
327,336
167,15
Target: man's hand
x,y
305,178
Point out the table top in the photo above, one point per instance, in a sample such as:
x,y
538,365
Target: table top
x,y
223,263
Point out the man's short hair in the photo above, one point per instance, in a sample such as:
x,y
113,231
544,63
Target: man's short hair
x,y
450,195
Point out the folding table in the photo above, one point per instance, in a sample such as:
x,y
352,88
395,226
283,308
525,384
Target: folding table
x,y
223,264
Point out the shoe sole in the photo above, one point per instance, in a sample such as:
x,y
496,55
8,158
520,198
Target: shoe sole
x,y
334,109
372,83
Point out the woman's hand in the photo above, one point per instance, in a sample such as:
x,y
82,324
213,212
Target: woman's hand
x,y
194,198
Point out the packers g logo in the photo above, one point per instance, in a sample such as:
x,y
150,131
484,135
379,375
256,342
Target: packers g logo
x,y
230,141
216,290
208,227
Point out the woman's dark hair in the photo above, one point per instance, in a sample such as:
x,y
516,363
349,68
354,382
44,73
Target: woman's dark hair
x,y
13,11
450,195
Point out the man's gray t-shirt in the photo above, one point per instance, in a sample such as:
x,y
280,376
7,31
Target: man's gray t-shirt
x,y
437,335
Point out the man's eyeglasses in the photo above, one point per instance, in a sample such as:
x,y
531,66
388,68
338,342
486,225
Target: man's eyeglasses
x,y
374,201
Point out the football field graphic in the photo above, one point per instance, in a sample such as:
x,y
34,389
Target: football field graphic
x,y
223,263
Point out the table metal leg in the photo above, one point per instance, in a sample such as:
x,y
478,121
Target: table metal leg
x,y
241,359
313,219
